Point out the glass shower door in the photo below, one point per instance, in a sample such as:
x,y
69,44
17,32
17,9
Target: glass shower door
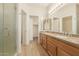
x,y
9,29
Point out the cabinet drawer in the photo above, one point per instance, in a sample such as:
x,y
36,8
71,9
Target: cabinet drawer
x,y
51,40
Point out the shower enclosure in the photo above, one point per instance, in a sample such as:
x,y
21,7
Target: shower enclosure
x,y
7,29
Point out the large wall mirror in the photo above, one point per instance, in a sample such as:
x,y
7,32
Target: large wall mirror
x,y
68,24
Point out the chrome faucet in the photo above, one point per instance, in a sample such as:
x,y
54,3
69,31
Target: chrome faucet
x,y
70,34
67,34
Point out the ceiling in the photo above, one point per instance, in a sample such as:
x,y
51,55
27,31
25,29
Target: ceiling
x,y
45,5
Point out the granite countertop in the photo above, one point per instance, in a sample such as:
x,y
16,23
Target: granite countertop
x,y
74,41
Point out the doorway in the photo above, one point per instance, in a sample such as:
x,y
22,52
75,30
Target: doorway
x,y
23,28
34,21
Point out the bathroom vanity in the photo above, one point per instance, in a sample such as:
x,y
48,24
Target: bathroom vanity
x,y
56,44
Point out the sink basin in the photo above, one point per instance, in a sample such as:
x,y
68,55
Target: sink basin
x,y
61,37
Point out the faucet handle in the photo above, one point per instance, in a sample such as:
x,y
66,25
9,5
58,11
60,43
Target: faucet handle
x,y
70,34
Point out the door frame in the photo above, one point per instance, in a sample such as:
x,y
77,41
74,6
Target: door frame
x,y
23,23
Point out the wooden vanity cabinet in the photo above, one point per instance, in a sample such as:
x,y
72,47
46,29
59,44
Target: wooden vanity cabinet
x,y
57,47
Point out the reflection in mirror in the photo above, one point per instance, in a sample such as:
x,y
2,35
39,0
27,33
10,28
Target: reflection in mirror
x,y
56,24
67,24
47,24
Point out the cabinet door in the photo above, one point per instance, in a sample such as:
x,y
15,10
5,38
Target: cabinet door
x,y
9,29
44,41
1,29
40,38
61,52
51,49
